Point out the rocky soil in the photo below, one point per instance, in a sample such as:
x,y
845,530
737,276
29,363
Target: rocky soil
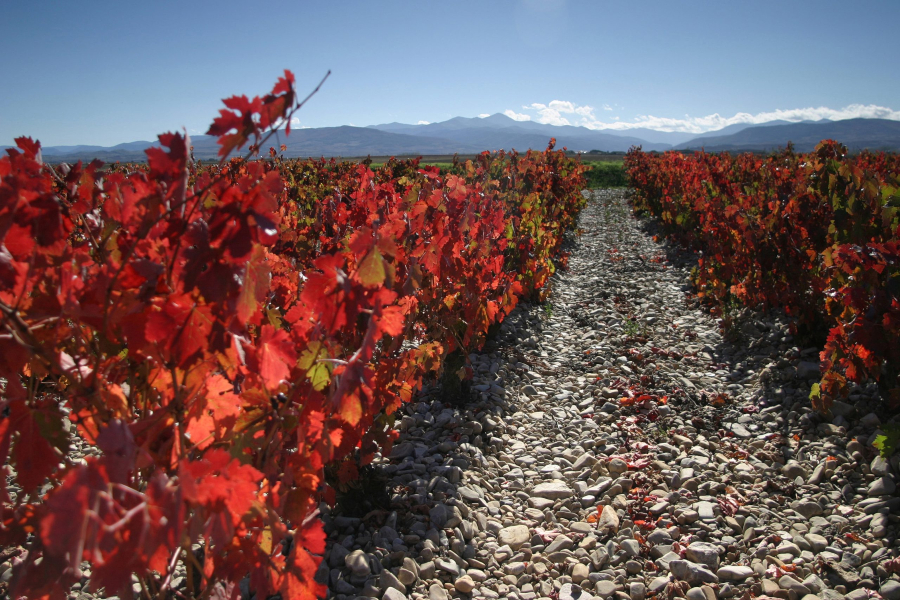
x,y
618,444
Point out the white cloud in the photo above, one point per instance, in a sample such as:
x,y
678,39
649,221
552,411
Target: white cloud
x,y
552,114
563,106
583,115
484,115
516,116
295,124
424,123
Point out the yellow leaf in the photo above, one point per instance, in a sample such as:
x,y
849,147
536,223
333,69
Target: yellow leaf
x,y
815,391
319,373
371,270
274,318
265,541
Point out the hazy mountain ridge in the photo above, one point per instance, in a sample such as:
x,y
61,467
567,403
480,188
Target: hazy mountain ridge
x,y
467,135
856,134
575,138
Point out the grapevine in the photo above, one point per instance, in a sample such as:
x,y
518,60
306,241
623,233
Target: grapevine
x,y
220,334
817,235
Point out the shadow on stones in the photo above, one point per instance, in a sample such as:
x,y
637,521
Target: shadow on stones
x,y
362,496
455,387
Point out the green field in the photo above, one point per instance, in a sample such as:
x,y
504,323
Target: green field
x,y
606,174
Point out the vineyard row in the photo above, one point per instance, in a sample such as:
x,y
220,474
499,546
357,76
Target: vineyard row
x,y
227,335
815,234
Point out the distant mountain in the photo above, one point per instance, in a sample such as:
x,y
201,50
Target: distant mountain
x,y
737,127
652,136
497,121
856,134
680,137
314,142
650,139
460,135
499,131
466,135
74,149
479,130
129,151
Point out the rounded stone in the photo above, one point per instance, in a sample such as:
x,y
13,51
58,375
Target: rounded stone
x,y
617,466
514,536
464,584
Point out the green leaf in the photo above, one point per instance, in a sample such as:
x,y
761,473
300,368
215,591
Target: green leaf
x,y
887,442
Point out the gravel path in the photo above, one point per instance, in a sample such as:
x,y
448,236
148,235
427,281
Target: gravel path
x,y
615,445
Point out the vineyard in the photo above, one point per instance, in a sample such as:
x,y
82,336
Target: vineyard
x,y
270,378
816,234
226,335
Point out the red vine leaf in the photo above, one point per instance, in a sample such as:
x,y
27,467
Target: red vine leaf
x,y
276,355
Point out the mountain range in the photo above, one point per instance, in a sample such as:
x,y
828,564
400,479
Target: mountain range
x,y
465,135
856,134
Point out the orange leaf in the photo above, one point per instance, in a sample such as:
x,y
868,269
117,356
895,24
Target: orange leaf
x,y
351,409
276,356
255,285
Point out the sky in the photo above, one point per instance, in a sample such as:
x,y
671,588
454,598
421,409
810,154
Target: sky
x,y
104,73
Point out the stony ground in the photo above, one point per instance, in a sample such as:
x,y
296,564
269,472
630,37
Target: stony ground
x,y
618,444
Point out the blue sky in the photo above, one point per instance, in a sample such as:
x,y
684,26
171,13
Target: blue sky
x,y
110,72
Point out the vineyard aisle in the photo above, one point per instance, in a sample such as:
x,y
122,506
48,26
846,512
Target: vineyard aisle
x,y
616,446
